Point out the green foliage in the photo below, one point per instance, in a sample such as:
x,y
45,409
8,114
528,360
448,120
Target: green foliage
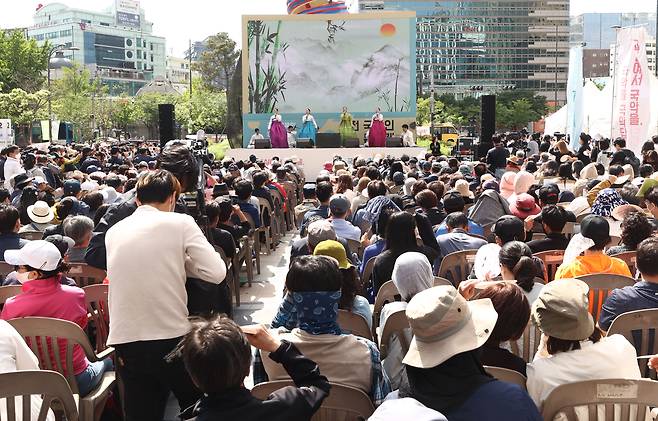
x,y
23,62
515,115
146,109
423,111
218,62
123,113
23,107
204,110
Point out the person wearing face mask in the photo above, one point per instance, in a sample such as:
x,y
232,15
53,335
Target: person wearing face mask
x,y
39,268
149,256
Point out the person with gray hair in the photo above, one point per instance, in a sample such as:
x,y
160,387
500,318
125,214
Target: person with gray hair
x,y
79,228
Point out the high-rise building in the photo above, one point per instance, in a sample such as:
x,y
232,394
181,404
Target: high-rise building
x,y
117,46
651,55
475,47
596,62
597,30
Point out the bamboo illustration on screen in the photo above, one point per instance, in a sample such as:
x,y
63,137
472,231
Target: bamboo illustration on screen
x,y
266,82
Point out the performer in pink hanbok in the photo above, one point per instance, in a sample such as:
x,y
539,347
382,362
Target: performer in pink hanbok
x,y
377,132
278,133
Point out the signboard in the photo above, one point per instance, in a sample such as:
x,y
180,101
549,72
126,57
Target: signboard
x,y
128,13
6,133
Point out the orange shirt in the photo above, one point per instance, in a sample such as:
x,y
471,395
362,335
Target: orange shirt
x,y
591,264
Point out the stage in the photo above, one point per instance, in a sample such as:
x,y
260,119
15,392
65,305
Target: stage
x,y
313,159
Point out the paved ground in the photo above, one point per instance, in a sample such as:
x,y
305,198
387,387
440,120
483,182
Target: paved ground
x,y
258,303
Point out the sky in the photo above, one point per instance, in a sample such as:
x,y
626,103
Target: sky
x,y
179,21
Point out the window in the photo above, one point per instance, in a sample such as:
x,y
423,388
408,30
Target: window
x,y
105,24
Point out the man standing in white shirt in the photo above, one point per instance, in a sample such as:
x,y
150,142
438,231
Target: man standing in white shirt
x,y
407,137
149,256
12,166
254,137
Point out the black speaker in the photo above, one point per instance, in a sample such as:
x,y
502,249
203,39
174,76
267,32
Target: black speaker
x,y
352,143
304,143
166,121
328,140
393,142
262,144
487,118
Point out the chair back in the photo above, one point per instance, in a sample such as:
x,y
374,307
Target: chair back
x,y
367,271
632,398
8,291
639,328
5,268
569,229
600,286
49,385
354,324
84,275
395,324
439,281
614,241
552,260
31,235
456,266
265,209
98,313
344,403
630,257
526,346
507,375
355,247
387,293
40,334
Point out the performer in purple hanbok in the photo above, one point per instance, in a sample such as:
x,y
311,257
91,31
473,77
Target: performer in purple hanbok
x,y
377,132
278,133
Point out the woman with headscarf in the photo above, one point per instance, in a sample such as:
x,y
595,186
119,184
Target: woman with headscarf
x,y
523,180
507,184
412,274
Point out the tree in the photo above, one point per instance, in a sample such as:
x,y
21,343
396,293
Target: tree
x,y
204,110
23,108
515,115
218,62
72,100
23,62
123,113
146,109
423,111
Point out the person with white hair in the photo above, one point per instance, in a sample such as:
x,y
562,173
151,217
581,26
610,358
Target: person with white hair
x,y
80,229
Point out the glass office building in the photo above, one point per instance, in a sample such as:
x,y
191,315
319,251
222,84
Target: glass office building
x,y
120,50
476,47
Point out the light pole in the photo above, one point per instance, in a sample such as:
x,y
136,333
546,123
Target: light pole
x,y
57,63
614,77
556,47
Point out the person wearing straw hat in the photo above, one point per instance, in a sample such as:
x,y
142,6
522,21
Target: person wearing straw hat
x,y
572,349
41,216
443,370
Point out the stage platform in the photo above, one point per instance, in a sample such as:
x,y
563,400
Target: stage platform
x,y
314,158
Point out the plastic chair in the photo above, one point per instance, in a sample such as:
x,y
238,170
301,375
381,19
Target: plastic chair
x,y
367,271
538,236
5,269
254,241
632,398
387,293
268,232
40,334
355,247
507,375
31,235
395,324
552,260
84,275
600,286
439,281
456,266
9,291
98,313
344,403
354,324
639,328
232,278
614,241
529,342
569,229
630,257
50,385
279,215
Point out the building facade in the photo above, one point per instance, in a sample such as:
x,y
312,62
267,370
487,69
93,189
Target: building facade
x,y
476,47
178,73
651,55
117,46
596,62
597,30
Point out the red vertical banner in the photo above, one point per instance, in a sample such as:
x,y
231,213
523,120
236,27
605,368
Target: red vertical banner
x,y
632,100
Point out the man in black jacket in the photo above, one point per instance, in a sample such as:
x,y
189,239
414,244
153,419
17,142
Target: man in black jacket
x,y
553,219
202,297
497,157
217,355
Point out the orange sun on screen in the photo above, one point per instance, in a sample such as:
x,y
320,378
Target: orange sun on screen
x,y
387,30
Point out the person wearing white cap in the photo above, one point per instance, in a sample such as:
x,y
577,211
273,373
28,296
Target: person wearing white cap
x,y
40,268
443,371
41,216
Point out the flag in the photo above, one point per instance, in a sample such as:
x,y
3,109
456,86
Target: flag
x,y
632,100
83,26
575,96
39,6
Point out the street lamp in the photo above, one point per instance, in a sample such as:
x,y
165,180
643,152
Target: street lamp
x,y
56,63
614,76
556,66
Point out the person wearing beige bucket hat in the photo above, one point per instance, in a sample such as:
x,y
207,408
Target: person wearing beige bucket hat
x,y
572,349
442,366
41,216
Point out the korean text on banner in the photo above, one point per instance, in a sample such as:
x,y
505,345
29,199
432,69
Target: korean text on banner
x,y
632,101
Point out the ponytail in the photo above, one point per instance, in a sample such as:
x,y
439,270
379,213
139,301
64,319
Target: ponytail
x,y
517,257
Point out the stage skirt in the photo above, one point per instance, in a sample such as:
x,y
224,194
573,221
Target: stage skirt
x,y
278,135
346,130
308,131
377,135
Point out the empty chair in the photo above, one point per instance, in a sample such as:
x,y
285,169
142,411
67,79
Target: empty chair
x,y
632,398
600,286
354,324
456,267
28,391
639,328
343,403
